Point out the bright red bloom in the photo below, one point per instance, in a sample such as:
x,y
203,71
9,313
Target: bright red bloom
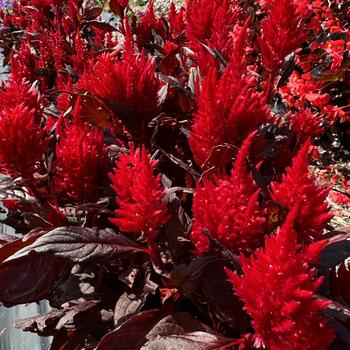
x,y
307,124
228,110
176,20
149,24
336,49
298,186
139,193
229,209
282,33
303,89
131,84
278,289
58,47
81,162
211,23
19,91
22,141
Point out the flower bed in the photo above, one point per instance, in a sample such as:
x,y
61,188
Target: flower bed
x,y
164,170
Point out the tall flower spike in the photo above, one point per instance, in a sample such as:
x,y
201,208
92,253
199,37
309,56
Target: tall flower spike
x,y
81,162
229,209
298,185
229,109
176,20
307,123
282,33
139,194
211,22
130,83
149,23
19,91
278,290
22,142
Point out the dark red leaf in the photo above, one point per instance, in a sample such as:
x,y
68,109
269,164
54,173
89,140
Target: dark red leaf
x,y
93,13
31,277
188,278
127,305
44,325
182,331
219,156
131,335
339,281
78,316
191,341
221,298
67,340
339,319
116,8
337,249
176,324
80,244
102,25
12,247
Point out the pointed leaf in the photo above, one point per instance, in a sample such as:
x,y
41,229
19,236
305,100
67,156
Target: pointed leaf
x,y
31,278
221,298
80,244
182,331
191,341
188,278
127,305
131,335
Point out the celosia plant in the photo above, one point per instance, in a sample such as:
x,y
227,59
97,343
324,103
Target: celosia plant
x,y
229,209
139,197
23,142
139,194
146,151
81,162
285,311
298,186
229,109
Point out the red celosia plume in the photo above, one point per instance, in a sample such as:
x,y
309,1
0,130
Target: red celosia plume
x,y
139,194
229,209
307,123
149,25
298,186
18,91
211,23
130,84
278,290
151,147
81,162
22,141
228,110
282,33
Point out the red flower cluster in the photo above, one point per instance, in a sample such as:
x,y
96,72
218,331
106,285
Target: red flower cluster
x,y
139,193
22,142
81,162
229,209
127,86
19,91
278,290
298,186
282,33
228,110
211,23
307,124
